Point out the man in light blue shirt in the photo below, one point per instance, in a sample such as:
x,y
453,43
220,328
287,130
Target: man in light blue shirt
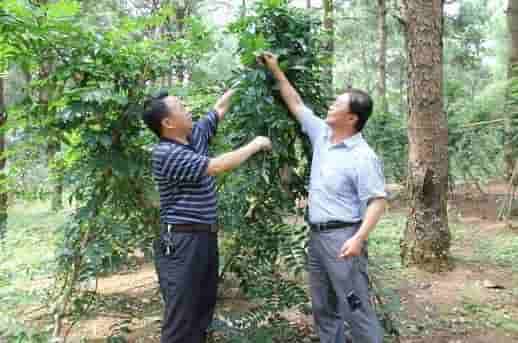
x,y
346,200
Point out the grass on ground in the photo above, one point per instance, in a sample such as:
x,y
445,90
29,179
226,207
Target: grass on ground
x,y
26,258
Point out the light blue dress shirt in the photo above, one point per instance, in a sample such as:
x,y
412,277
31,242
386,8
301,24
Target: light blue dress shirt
x,y
344,176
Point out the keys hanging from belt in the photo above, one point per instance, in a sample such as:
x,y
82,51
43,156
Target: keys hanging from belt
x,y
168,240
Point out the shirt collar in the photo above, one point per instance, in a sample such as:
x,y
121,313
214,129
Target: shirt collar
x,y
348,142
174,141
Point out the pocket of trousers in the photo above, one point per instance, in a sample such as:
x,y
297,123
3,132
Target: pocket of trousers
x,y
333,242
181,242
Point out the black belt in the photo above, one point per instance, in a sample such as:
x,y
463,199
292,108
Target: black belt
x,y
332,225
190,227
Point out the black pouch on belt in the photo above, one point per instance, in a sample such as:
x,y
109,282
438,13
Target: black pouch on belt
x,y
352,299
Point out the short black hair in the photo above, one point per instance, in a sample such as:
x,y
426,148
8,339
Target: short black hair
x,y
361,104
156,111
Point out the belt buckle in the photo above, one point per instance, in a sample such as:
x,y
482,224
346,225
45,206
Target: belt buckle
x,y
318,227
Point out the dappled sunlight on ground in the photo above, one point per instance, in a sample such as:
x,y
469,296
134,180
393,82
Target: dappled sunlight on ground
x,y
475,302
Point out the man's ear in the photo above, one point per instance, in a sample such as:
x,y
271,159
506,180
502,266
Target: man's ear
x,y
354,118
168,123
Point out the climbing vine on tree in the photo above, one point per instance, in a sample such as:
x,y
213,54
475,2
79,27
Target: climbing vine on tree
x,y
258,202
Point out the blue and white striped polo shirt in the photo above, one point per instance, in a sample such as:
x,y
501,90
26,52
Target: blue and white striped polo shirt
x,y
187,193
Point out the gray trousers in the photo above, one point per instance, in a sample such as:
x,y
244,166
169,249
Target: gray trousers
x,y
188,279
331,280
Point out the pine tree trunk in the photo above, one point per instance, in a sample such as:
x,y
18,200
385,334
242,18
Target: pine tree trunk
x,y
3,194
382,63
511,131
329,46
426,241
181,15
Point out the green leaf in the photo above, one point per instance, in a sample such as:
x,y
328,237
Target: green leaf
x,y
63,9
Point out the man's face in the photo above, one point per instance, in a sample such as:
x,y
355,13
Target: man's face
x,y
339,114
178,117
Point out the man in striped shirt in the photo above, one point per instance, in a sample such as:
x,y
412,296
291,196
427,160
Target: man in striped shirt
x,y
186,253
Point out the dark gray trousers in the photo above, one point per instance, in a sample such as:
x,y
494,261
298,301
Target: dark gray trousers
x,y
188,279
331,280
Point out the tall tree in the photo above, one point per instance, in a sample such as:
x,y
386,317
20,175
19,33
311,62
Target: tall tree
x,y
53,145
511,132
3,193
426,241
329,45
183,11
382,62
47,65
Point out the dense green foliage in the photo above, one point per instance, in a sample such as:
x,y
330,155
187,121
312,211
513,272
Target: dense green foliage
x,y
79,74
258,200
95,85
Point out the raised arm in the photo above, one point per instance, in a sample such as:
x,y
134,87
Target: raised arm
x,y
231,160
312,125
223,104
290,96
183,164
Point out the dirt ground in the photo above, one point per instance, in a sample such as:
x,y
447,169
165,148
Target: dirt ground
x,y
476,302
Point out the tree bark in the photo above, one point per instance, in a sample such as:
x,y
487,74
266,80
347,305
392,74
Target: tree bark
x,y
511,131
3,193
329,46
426,241
382,62
52,144
181,15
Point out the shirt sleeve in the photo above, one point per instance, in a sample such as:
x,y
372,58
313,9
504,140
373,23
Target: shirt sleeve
x,y
182,164
312,125
371,182
208,125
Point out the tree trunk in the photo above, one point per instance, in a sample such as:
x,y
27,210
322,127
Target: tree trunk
x,y
53,149
382,63
52,144
426,241
329,47
3,193
181,14
308,3
511,132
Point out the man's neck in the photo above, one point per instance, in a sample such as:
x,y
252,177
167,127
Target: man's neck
x,y
339,134
176,137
